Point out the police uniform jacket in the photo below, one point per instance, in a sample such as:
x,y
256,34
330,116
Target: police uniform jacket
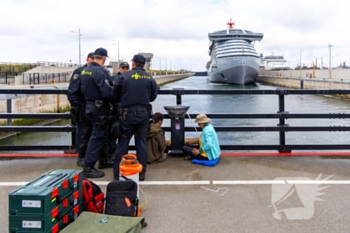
x,y
75,96
137,88
94,83
116,77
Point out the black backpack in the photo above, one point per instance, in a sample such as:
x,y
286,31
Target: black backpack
x,y
121,198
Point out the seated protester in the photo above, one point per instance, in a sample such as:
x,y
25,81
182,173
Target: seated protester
x,y
156,143
209,148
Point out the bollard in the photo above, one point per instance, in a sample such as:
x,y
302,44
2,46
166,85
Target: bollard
x,y
302,84
177,115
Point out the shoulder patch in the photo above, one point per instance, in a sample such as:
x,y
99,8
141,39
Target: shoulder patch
x,y
75,76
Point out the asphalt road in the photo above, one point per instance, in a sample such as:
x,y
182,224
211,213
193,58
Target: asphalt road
x,y
181,197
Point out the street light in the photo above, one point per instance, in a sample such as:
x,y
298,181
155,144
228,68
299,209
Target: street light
x,y
79,35
118,50
330,61
300,63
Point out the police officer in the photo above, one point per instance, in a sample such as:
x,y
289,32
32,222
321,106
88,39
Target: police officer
x,y
135,89
123,67
84,127
112,142
77,102
97,93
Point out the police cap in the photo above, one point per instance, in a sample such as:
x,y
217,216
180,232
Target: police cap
x,y
138,58
124,64
101,52
90,55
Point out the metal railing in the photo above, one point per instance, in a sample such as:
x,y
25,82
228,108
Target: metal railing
x,y
45,78
281,128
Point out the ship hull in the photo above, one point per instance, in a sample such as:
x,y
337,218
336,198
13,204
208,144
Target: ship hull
x,y
234,70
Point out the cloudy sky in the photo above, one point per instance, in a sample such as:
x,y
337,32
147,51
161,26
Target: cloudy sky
x,y
175,31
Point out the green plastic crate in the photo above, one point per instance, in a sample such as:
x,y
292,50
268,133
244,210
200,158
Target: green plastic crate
x,y
56,188
71,216
51,223
34,223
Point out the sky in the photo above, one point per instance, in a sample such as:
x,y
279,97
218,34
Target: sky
x,y
175,31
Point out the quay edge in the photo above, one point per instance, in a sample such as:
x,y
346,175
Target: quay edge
x,y
307,79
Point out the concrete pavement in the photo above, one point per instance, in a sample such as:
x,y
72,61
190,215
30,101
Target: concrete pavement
x,y
181,197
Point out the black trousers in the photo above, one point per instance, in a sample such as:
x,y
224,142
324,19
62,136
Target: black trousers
x,y
188,151
85,134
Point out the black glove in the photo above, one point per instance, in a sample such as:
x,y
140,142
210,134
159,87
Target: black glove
x,y
74,111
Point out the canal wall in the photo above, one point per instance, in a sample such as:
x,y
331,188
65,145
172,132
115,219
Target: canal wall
x,y
307,79
22,103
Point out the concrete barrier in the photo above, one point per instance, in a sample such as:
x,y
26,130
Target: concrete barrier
x,y
340,80
335,74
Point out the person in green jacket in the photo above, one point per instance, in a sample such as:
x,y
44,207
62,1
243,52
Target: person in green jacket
x,y
156,143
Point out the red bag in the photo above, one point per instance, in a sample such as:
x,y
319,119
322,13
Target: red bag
x,y
93,197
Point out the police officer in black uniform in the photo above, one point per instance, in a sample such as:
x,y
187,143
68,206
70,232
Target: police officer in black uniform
x,y
112,142
135,89
123,67
78,102
97,93
84,127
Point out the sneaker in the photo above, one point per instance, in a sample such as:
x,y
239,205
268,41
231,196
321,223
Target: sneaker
x,y
91,172
142,176
80,162
105,163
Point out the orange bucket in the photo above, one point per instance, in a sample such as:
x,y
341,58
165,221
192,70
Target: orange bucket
x,y
129,165
130,168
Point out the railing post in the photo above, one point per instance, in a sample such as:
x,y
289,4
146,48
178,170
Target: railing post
x,y
9,110
281,110
178,92
38,78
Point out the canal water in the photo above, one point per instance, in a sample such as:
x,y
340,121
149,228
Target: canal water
x,y
233,104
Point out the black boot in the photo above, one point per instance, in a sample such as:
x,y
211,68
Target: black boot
x,y
111,157
142,176
91,172
105,163
80,162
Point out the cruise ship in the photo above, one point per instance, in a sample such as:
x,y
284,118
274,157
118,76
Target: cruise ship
x,y
273,62
233,58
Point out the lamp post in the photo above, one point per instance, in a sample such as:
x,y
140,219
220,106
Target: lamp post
x,y
330,61
79,35
300,63
118,50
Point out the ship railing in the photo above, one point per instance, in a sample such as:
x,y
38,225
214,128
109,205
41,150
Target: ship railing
x,y
280,116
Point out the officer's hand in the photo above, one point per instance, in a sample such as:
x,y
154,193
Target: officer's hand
x,y
74,111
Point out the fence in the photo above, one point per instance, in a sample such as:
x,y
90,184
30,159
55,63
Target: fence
x,y
281,116
7,77
40,78
42,63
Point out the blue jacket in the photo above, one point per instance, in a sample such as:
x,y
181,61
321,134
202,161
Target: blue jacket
x,y
93,83
135,87
210,142
74,94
